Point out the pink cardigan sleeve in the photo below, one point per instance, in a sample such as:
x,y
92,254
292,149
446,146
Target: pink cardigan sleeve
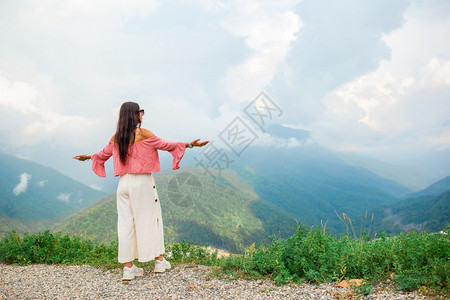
x,y
177,149
99,159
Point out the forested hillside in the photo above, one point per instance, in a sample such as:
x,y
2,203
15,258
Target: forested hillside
x,y
429,213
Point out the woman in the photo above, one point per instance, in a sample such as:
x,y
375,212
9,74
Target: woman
x,y
135,158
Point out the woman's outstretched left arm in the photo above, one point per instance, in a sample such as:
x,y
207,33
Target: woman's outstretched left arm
x,y
82,157
98,159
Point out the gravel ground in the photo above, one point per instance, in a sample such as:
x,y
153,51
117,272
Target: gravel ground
x,y
181,282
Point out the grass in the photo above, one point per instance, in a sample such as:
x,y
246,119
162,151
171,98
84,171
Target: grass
x,y
413,261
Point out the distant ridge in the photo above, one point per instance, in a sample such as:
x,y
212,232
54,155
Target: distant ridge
x,y
409,177
434,189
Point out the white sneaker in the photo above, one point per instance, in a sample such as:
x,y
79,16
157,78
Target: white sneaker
x,y
130,273
161,266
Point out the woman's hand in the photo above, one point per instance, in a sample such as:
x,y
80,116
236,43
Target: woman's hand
x,y
197,143
82,157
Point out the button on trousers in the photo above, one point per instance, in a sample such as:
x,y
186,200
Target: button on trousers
x,y
139,224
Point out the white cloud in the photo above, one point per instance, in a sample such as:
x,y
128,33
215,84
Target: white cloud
x,y
18,96
64,197
403,104
269,28
50,11
41,183
441,141
96,187
22,186
33,118
209,5
437,72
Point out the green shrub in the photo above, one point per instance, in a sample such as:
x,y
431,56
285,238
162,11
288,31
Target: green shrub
x,y
413,260
48,248
421,259
312,255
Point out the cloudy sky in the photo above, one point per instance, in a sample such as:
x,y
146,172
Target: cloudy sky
x,y
365,77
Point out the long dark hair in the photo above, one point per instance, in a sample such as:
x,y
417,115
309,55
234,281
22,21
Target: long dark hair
x,y
129,120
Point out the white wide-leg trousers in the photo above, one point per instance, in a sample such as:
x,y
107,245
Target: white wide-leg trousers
x,y
139,226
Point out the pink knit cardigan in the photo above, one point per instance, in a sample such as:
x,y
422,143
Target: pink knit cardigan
x,y
142,157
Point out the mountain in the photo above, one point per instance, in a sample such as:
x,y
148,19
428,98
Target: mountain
x,y
33,196
429,213
309,183
428,209
435,189
222,211
312,184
